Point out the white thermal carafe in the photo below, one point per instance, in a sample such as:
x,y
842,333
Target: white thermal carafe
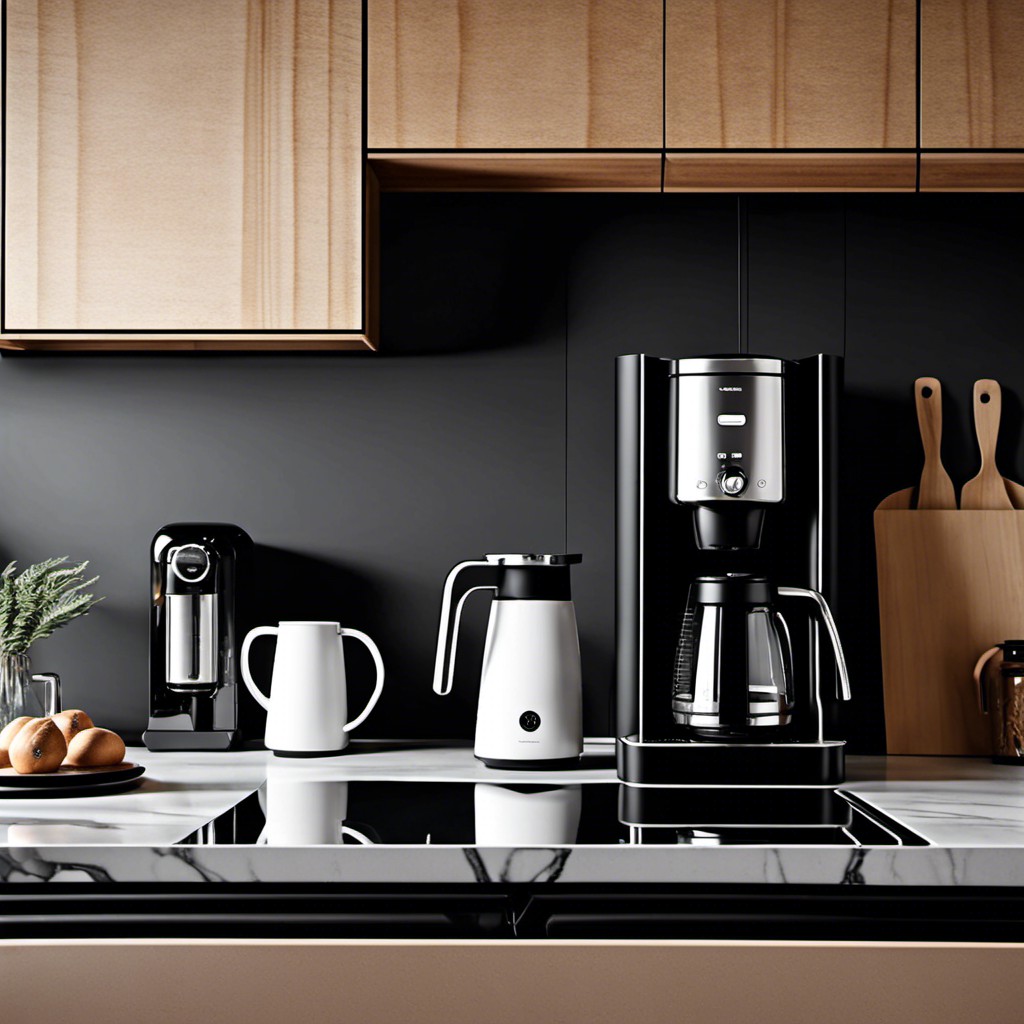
x,y
530,708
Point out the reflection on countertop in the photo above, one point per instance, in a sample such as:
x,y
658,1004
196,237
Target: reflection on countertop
x,y
972,812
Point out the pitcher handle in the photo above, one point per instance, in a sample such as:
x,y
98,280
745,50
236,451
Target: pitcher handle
x,y
52,683
264,702
378,686
263,839
825,614
979,670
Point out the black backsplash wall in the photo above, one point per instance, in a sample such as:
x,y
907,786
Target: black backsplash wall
x,y
486,421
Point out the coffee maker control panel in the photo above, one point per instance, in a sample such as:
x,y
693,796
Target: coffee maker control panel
x,y
727,437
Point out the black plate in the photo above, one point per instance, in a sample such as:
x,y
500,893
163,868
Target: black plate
x,y
68,782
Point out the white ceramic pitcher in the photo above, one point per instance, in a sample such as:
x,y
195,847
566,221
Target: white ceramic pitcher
x,y
308,701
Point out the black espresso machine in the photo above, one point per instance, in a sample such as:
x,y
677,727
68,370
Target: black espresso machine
x,y
201,575
728,659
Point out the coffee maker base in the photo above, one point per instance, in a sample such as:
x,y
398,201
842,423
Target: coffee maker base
x,y
674,762
308,753
552,764
182,739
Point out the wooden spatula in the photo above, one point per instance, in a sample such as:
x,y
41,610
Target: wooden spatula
x,y
935,489
987,490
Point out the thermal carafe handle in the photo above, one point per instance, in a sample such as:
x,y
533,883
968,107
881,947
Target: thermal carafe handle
x,y
825,614
462,581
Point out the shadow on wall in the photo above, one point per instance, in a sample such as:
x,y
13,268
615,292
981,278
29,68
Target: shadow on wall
x,y
309,588
495,272
877,446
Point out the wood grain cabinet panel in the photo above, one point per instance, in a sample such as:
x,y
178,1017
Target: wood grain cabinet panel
x,y
972,74
514,74
972,94
185,174
781,74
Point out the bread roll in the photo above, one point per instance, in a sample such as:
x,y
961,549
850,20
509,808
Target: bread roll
x,y
7,738
38,747
71,723
94,747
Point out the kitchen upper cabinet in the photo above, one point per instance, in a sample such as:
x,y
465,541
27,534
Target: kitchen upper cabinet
x,y
186,174
972,93
514,75
791,74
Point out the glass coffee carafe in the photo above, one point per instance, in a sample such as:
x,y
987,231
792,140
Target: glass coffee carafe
x,y
733,675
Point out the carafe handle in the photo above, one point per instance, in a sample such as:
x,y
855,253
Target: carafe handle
x,y
264,702
979,674
467,577
825,614
378,686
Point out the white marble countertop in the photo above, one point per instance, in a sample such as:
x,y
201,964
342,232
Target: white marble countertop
x,y
969,810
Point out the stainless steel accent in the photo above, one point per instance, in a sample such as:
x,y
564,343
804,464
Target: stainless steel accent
x,y
725,364
698,442
732,419
191,646
186,556
732,480
833,634
642,574
636,741
529,559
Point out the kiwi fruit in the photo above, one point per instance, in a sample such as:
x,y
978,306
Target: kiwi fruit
x,y
10,730
72,722
94,747
39,746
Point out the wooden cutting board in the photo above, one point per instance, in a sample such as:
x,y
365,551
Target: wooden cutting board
x,y
949,587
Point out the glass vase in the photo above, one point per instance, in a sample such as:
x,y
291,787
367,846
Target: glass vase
x,y
22,693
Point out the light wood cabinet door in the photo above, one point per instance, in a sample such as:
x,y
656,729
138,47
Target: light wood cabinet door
x,y
972,74
783,74
514,74
186,174
972,94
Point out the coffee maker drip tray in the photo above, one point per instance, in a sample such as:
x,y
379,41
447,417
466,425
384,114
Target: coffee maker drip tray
x,y
679,762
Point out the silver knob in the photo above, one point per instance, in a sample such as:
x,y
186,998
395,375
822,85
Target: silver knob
x,y
732,481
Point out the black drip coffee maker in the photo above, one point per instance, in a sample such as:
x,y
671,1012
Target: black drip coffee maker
x,y
726,484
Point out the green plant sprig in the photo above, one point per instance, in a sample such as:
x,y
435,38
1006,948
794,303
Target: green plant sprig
x,y
40,600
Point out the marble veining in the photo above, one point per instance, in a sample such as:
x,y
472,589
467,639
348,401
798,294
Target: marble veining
x,y
971,812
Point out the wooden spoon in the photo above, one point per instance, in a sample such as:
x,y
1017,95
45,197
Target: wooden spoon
x,y
1015,492
935,489
988,489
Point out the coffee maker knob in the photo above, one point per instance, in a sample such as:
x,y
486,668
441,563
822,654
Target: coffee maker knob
x,y
732,481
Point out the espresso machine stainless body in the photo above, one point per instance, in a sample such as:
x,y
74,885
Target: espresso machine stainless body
x,y
198,615
726,510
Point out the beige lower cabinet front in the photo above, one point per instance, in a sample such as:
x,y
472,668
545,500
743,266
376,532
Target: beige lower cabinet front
x,y
184,175
501,982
